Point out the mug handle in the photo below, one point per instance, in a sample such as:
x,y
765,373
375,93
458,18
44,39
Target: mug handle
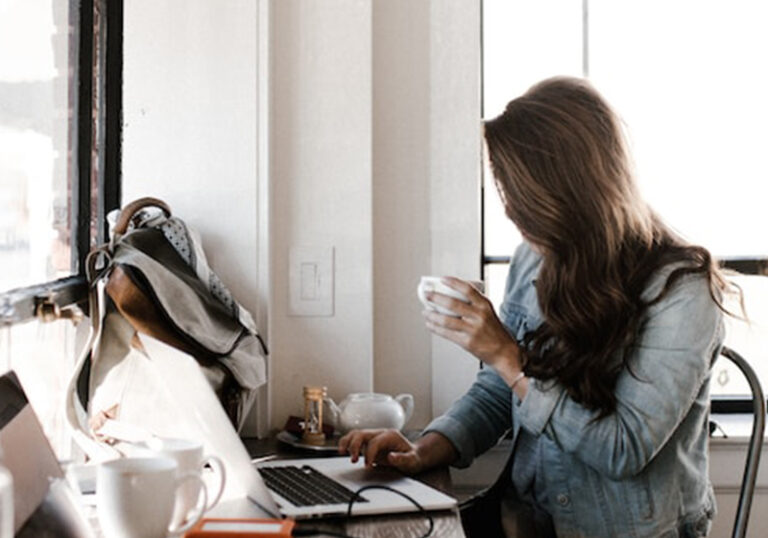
x,y
421,291
218,467
199,508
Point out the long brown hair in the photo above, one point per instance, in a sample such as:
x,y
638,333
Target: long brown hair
x,y
561,167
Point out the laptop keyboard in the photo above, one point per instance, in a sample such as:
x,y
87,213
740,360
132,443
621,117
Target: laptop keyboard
x,y
305,486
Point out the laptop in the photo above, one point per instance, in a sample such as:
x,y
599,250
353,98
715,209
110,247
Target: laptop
x,y
297,488
44,504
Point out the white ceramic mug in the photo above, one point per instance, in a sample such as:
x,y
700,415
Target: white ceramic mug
x,y
436,284
135,497
189,457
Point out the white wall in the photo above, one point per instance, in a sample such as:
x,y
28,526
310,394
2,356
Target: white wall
x,y
376,152
727,458
190,125
373,150
455,153
321,193
401,194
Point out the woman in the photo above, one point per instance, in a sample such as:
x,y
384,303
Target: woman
x,y
600,358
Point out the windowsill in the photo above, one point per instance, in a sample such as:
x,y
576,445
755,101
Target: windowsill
x,y
737,426
726,464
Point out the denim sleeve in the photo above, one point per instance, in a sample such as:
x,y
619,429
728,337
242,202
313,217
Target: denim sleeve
x,y
476,421
670,364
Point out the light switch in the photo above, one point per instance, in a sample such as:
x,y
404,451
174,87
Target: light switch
x,y
310,275
308,281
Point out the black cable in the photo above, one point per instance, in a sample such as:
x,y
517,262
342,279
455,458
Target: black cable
x,y
310,531
393,490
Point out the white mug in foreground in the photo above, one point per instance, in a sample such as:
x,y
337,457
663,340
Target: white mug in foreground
x,y
435,283
135,497
188,455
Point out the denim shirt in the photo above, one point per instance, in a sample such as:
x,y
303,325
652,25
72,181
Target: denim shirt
x,y
640,471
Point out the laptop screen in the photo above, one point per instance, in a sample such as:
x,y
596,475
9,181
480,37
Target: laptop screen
x,y
25,448
41,500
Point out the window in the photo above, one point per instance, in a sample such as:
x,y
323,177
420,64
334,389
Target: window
x,y
690,88
60,102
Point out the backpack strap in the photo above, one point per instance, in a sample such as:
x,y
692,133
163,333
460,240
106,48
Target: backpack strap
x,y
77,393
128,212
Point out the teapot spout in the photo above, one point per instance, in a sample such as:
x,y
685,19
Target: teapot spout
x,y
334,411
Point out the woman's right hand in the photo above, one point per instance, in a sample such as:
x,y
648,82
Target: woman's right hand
x,y
382,447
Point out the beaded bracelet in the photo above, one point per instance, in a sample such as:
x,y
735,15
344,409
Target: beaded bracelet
x,y
519,377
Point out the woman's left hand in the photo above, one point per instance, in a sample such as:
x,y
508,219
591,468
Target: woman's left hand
x,y
478,329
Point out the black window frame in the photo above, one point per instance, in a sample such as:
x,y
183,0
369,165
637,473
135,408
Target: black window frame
x,y
743,265
97,128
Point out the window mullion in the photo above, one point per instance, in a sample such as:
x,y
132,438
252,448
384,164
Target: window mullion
x,y
81,207
112,104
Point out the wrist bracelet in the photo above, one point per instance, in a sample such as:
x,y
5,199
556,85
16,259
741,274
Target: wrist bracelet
x,y
519,377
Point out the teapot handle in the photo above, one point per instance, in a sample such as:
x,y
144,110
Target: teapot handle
x,y
334,410
406,401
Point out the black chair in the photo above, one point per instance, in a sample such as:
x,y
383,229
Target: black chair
x,y
480,515
755,443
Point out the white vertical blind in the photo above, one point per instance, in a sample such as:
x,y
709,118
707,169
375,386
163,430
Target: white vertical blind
x,y
524,42
690,79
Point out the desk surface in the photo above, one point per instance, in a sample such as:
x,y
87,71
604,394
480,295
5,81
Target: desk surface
x,y
447,523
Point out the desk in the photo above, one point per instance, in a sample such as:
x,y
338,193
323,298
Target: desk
x,y
51,522
447,523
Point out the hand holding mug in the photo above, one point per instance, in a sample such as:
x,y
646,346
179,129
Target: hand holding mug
x,y
436,284
466,317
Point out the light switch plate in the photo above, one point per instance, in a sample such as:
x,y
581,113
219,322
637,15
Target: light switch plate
x,y
310,281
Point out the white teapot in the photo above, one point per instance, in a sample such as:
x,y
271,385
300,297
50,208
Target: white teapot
x,y
370,410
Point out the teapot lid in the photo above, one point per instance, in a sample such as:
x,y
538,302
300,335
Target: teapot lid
x,y
374,396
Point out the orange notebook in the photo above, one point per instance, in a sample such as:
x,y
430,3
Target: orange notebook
x,y
241,528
